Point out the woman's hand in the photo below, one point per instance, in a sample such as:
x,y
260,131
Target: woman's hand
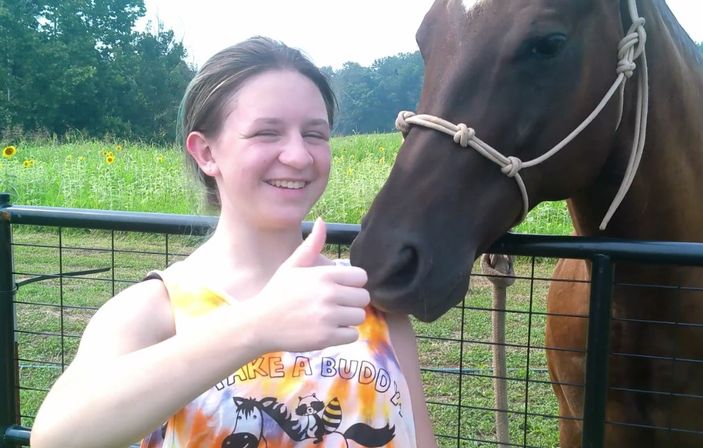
x,y
306,306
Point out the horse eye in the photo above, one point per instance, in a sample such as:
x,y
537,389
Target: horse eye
x,y
549,46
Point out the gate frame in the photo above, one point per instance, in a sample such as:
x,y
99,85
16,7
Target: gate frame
x,y
602,252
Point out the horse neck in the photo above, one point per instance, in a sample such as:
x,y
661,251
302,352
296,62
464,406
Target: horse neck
x,y
662,201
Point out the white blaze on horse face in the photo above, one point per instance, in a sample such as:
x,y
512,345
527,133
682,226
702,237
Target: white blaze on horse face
x,y
470,4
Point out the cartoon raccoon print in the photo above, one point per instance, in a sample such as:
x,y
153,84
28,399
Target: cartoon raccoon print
x,y
318,419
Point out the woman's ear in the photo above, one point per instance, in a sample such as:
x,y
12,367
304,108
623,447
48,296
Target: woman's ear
x,y
198,147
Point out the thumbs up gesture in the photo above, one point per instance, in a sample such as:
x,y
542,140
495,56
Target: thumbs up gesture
x,y
309,304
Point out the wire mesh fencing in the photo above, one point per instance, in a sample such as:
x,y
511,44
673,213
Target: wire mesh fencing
x,y
66,264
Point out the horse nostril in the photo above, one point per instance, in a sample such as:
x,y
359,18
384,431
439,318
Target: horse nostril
x,y
405,269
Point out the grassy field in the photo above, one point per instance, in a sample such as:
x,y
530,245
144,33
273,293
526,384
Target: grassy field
x,y
138,177
121,176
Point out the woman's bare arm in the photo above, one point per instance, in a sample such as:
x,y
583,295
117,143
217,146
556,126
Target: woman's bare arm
x,y
405,346
132,371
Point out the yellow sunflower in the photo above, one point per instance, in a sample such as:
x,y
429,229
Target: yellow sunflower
x,y
9,152
118,148
109,158
28,163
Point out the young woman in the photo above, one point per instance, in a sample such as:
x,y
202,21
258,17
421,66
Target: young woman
x,y
256,339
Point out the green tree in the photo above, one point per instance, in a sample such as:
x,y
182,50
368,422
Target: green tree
x,y
77,65
371,97
148,84
18,39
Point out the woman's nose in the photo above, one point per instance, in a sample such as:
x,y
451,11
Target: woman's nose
x,y
295,153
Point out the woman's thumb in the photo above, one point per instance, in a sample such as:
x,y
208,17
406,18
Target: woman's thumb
x,y
307,253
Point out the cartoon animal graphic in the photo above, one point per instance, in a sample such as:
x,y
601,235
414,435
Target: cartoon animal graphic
x,y
248,426
313,420
316,425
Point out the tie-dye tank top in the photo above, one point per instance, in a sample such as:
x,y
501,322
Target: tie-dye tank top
x,y
347,396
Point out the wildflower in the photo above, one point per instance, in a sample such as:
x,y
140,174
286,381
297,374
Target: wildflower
x,y
160,158
109,158
381,148
118,148
9,151
28,163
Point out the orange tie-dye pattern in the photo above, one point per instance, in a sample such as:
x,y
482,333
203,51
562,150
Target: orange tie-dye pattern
x,y
337,397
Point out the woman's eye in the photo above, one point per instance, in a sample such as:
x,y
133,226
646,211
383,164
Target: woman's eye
x,y
549,46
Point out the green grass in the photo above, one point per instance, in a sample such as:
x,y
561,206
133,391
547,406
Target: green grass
x,y
144,178
151,179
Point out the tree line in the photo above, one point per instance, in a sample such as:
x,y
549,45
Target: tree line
x,y
78,66
70,66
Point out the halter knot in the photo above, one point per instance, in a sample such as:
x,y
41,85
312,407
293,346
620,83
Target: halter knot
x,y
513,166
631,47
626,67
400,122
463,135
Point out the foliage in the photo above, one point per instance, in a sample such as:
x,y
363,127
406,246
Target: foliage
x,y
71,65
371,97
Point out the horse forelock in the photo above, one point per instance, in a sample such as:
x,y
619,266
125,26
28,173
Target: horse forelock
x,y
248,407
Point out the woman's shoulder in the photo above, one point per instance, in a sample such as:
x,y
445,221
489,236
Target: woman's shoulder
x,y
135,318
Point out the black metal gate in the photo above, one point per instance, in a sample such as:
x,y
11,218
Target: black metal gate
x,y
46,267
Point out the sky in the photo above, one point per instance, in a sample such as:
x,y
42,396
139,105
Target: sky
x,y
330,32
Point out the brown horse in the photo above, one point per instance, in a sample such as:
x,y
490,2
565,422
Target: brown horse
x,y
524,74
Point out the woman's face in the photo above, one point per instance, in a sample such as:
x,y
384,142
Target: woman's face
x,y
273,154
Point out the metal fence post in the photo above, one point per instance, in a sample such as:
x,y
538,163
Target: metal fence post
x,y
597,355
9,400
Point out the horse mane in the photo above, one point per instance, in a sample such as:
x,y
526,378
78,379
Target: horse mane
x,y
280,414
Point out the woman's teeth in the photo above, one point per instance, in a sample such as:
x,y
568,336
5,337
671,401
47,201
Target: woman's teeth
x,y
290,184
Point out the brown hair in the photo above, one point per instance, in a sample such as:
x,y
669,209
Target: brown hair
x,y
202,107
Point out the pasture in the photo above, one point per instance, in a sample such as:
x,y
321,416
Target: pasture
x,y
114,175
134,177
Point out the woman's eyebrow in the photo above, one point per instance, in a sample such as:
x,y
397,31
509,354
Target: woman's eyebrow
x,y
317,122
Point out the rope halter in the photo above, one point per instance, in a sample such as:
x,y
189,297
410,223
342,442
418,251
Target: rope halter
x,y
630,49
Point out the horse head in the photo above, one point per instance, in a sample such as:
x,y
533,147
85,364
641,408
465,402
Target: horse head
x,y
248,425
516,76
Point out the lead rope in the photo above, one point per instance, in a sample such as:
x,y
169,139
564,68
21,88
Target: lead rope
x,y
630,48
499,270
